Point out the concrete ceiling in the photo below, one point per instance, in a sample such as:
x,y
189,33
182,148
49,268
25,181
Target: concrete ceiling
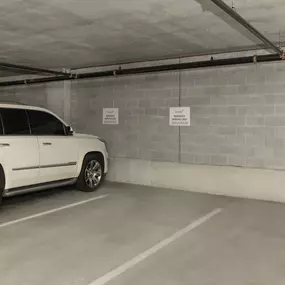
x,y
79,33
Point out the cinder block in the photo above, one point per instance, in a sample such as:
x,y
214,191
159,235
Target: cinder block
x,y
196,130
275,98
236,150
202,159
255,121
275,143
275,163
201,121
196,149
246,90
255,140
191,92
237,77
211,90
269,89
164,80
237,160
210,139
219,100
164,111
219,160
144,103
230,90
236,140
226,130
255,162
187,138
275,121
221,79
274,76
263,152
279,132
158,94
173,102
151,111
144,154
197,101
187,158
203,80
279,66
132,153
164,156
245,100
197,110
132,103
256,110
220,110
279,110
256,77
255,131
135,112
228,121
188,78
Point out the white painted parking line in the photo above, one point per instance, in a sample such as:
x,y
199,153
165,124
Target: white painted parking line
x,y
144,255
50,211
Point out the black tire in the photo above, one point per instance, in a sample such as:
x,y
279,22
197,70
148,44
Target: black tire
x,y
89,175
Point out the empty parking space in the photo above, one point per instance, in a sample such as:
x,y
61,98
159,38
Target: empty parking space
x,y
144,235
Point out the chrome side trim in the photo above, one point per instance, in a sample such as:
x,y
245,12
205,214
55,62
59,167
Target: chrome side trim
x,y
45,166
25,168
59,165
36,188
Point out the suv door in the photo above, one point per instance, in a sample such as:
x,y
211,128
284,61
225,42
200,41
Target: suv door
x,y
58,151
19,150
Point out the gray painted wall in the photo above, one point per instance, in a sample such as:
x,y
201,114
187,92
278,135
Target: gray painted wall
x,y
237,114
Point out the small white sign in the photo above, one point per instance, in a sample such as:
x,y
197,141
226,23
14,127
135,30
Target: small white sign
x,y
179,116
110,116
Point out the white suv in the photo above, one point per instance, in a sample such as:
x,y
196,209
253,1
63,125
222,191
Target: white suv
x,y
39,151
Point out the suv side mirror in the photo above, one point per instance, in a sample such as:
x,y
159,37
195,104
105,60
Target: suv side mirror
x,y
69,131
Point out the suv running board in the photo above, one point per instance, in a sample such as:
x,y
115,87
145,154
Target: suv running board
x,y
38,187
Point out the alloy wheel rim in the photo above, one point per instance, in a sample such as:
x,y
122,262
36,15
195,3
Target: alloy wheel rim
x,y
93,174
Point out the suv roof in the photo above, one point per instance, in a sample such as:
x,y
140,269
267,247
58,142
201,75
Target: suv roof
x,y
18,105
11,103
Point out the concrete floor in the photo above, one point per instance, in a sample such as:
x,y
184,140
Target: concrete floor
x,y
242,244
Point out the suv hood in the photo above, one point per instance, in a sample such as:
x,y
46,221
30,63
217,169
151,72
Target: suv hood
x,y
85,136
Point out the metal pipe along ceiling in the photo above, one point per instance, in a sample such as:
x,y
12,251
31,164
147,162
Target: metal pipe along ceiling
x,y
232,13
30,69
151,69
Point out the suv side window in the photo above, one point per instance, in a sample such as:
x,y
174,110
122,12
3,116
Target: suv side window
x,y
1,126
43,123
15,121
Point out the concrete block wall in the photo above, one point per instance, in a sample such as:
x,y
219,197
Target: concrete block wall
x,y
235,145
237,115
143,131
53,96
34,95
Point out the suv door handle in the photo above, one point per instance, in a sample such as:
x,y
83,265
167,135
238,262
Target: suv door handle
x,y
4,144
47,143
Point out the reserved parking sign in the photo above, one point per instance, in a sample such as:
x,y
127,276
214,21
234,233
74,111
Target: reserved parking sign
x,y
179,116
110,116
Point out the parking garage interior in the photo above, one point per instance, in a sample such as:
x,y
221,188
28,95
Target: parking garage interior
x,y
200,203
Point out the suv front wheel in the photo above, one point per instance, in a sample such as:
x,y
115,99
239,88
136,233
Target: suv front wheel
x,y
92,173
